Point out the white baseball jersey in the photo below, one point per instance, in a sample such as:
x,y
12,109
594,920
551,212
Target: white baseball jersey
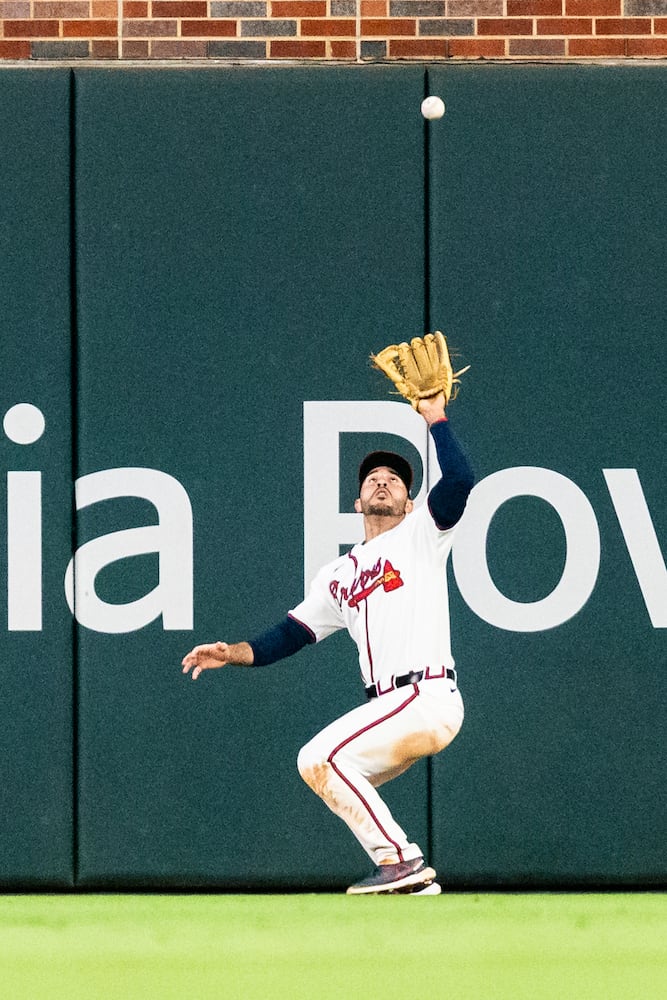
x,y
391,595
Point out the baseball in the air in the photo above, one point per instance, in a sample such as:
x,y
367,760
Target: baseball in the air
x,y
433,107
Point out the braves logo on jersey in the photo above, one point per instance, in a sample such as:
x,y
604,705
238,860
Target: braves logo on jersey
x,y
368,581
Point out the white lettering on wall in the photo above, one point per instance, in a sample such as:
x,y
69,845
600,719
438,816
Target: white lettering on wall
x,y
326,528
636,524
582,560
24,424
171,538
24,551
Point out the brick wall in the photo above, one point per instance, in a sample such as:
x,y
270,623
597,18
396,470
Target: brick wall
x,y
353,30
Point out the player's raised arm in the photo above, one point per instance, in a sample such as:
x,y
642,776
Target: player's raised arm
x,y
448,498
212,655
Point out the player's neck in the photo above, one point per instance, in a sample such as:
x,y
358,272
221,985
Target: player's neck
x,y
376,524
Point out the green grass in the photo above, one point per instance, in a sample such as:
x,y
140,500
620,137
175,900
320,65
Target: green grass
x,y
496,946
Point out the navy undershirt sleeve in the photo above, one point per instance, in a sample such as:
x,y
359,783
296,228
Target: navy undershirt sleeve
x,y
284,639
447,499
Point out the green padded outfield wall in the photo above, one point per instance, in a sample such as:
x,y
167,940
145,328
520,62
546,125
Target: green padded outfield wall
x,y
549,263
306,216
237,248
36,722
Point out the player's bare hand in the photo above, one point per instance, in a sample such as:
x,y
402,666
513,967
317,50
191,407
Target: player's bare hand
x,y
209,656
433,408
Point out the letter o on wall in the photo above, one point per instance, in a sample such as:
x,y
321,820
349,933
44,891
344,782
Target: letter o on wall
x,y
582,559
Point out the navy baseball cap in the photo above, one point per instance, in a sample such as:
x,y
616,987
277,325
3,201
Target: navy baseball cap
x,y
392,461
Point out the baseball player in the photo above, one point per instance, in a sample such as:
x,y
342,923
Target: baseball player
x,y
390,592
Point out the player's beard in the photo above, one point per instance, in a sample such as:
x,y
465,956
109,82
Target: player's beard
x,y
380,510
383,509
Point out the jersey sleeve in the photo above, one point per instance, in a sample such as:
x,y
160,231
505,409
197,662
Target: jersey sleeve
x,y
318,612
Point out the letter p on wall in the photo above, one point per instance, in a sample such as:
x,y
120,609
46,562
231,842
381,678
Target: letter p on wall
x,y
325,527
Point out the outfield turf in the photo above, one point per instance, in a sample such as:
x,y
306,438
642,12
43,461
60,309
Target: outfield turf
x,y
496,946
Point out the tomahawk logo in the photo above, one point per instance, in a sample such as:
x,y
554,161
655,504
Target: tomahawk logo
x,y
390,580
367,581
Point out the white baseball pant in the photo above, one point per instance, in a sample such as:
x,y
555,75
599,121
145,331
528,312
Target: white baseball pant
x,y
350,758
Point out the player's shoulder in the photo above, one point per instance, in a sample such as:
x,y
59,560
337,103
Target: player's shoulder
x,y
334,565
418,516
421,521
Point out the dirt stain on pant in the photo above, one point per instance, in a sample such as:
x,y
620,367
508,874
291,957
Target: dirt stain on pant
x,y
322,779
406,752
317,777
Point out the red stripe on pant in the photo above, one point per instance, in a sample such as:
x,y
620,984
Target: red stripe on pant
x,y
345,742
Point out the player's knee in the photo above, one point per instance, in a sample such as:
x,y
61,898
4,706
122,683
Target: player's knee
x,y
306,761
313,767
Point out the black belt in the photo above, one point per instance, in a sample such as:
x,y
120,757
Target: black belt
x,y
414,677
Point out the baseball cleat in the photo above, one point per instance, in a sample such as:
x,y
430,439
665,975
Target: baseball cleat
x,y
395,878
427,888
431,889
